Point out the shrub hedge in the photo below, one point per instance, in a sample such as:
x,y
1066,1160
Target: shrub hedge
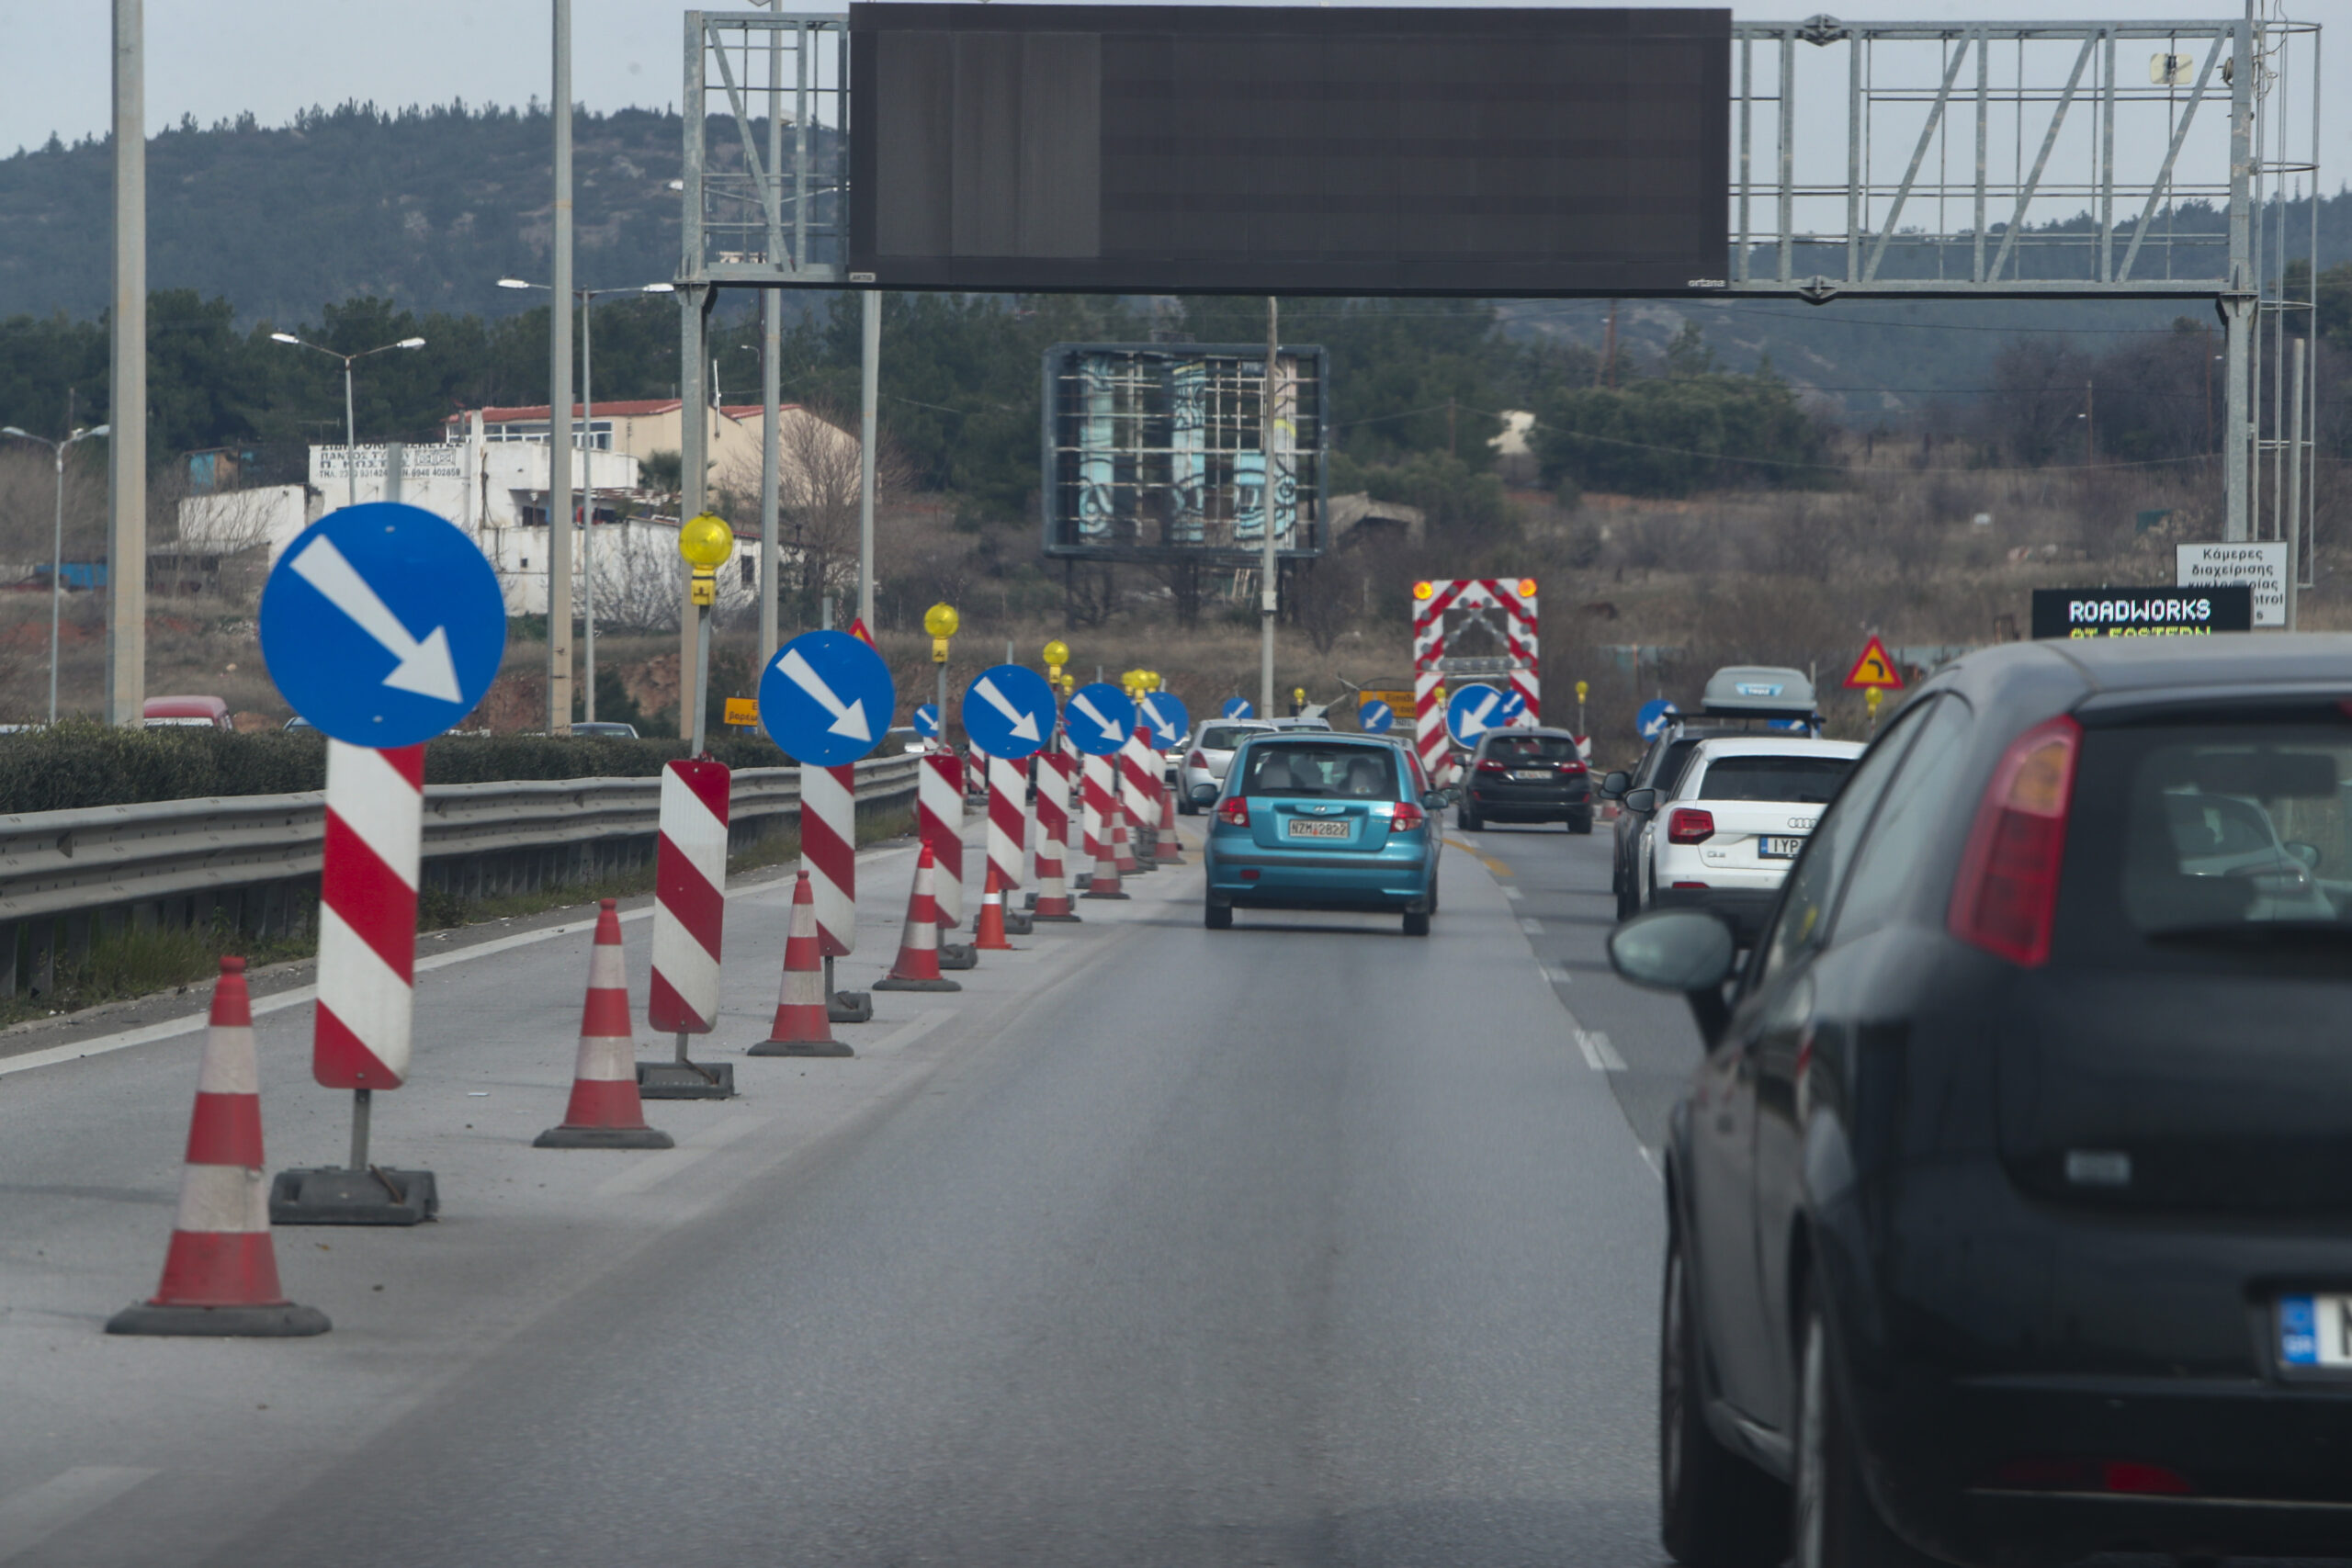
x,y
92,764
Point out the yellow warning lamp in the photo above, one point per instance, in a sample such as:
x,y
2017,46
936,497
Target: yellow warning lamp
x,y
1872,698
1069,686
1527,587
705,541
940,621
1423,590
1057,654
1582,691
1149,679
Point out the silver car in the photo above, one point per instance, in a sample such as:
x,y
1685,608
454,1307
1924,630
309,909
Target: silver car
x,y
1207,756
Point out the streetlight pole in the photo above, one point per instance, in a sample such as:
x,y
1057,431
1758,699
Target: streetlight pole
x,y
57,540
1269,599
350,426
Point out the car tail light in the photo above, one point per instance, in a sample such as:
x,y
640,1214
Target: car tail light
x,y
1407,817
2007,896
1572,767
1689,825
1690,887
1234,812
1197,761
1489,765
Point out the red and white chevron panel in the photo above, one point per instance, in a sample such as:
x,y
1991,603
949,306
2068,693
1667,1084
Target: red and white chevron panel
x,y
1054,770
1515,612
1008,822
939,822
690,897
1097,800
829,855
367,916
1138,767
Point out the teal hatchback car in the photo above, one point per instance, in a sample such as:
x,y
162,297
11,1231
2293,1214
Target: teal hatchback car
x,y
1309,820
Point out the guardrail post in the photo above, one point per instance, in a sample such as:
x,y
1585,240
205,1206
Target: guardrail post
x,y
10,931
44,956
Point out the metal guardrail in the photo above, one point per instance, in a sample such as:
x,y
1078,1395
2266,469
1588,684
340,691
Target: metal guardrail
x,y
62,863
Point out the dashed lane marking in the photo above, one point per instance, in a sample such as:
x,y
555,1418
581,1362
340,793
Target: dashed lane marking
x,y
1532,928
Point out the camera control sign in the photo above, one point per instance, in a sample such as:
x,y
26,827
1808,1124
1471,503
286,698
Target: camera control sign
x,y
2142,612
2260,564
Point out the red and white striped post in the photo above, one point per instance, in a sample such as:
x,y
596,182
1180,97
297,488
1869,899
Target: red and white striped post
x,y
1137,763
829,855
689,918
368,875
939,823
1098,782
1007,823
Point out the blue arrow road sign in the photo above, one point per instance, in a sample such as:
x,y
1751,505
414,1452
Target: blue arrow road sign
x,y
1008,711
1169,720
1237,707
1514,707
382,625
1099,718
927,721
1472,711
825,698
1651,722
1375,718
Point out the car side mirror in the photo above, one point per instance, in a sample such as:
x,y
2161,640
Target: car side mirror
x,y
1615,785
1688,951
1439,799
2307,853
1640,802
1205,795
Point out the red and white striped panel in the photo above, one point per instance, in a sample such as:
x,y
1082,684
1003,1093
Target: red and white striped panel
x,y
1517,613
367,916
1008,822
1054,770
1097,799
1139,768
829,855
939,822
690,897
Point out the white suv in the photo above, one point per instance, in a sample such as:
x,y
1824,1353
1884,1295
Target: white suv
x,y
1741,810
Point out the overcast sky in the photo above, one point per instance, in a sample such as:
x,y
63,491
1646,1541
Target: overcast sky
x,y
216,59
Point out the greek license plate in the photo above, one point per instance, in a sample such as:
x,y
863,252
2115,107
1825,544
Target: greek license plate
x,y
1778,848
1531,775
1302,828
2315,1333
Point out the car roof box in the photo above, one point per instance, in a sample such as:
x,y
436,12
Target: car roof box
x,y
1758,691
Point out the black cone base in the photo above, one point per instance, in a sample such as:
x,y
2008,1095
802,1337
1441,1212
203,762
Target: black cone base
x,y
604,1138
849,1007
1057,919
800,1048
1017,924
336,1196
1090,893
892,983
284,1321
958,956
686,1080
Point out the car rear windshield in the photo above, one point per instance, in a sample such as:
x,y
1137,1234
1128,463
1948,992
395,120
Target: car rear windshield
x,y
2222,838
1352,771
1533,748
1808,781
1225,737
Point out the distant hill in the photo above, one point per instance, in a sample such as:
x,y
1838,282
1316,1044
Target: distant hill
x,y
424,207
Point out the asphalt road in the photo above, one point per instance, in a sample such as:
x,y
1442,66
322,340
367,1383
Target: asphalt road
x,y
1304,1242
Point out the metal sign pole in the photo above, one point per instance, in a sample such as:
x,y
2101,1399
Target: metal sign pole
x,y
870,394
559,396
1269,601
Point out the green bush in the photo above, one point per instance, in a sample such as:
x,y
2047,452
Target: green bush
x,y
91,765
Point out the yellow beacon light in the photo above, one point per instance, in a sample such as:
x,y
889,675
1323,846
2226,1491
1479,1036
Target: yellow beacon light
x,y
1527,587
1423,590
1056,653
705,541
941,620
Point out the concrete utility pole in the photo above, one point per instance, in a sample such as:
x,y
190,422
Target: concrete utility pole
x,y
559,397
770,377
127,454
2237,304
1269,599
870,398
694,446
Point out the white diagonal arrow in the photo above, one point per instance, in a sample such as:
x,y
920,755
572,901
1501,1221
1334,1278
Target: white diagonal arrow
x,y
425,666
1024,726
1473,721
1110,731
849,718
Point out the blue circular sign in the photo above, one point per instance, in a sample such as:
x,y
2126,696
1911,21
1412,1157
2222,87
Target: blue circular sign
x,y
1164,712
926,719
1472,711
1790,725
1099,718
1514,707
1375,718
1655,716
1008,711
382,623
826,697
1237,707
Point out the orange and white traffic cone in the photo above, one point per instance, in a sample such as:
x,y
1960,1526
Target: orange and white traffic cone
x,y
1053,894
803,1025
1105,884
918,965
1122,847
606,1111
1165,843
220,1273
990,936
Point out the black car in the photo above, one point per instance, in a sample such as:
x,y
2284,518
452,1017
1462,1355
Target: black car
x,y
2010,1213
1659,769
1526,775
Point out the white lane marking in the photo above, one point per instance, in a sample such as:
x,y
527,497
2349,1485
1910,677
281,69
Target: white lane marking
x,y
654,1169
1649,1157
30,1517
1558,977
1512,893
1600,1052
1591,1056
1532,928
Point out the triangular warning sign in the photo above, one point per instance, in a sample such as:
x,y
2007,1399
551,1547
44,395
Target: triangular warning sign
x,y
857,629
1874,668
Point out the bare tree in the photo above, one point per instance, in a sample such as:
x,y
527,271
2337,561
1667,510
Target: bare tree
x,y
818,480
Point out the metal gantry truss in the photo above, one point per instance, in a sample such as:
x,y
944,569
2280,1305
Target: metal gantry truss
x,y
2075,160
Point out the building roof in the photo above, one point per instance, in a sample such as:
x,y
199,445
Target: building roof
x,y
640,408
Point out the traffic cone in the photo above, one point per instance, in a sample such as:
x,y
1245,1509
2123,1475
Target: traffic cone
x,y
606,1111
220,1273
990,935
1165,839
803,1025
1052,896
1122,848
918,965
1105,884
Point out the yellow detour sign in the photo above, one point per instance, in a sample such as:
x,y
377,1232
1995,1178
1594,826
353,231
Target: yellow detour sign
x,y
1399,703
744,711
1874,670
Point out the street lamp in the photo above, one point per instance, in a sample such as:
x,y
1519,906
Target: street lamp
x,y
350,441
586,437
57,545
